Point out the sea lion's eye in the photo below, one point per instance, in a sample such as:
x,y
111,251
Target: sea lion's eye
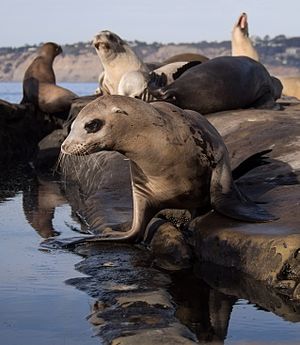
x,y
93,126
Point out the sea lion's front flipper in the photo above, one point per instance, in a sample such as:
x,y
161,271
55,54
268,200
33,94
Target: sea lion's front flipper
x,y
228,200
142,214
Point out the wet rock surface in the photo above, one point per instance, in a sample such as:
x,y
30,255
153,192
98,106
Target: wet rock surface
x,y
136,303
266,251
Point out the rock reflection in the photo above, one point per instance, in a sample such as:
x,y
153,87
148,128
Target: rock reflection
x,y
201,308
205,299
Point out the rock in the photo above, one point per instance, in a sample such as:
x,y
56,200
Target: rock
x,y
168,246
258,249
22,127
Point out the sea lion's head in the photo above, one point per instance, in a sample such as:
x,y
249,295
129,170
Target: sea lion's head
x,y
50,49
111,123
242,25
108,44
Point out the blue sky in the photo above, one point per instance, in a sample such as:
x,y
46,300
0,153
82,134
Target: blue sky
x,y
69,21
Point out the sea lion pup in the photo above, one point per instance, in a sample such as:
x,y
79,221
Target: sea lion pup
x,y
39,84
117,59
241,44
222,83
178,160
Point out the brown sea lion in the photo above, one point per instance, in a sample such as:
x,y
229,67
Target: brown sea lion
x,y
222,83
241,44
177,158
39,84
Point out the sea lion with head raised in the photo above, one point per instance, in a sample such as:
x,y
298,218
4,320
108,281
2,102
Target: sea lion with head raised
x,y
177,158
222,83
39,84
117,59
241,44
124,72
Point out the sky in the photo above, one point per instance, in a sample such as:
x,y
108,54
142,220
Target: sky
x,y
164,21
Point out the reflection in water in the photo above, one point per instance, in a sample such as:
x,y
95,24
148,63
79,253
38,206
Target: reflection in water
x,y
202,309
209,295
36,306
40,198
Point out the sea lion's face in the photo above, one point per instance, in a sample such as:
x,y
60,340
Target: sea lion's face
x,y
108,44
242,25
50,49
101,125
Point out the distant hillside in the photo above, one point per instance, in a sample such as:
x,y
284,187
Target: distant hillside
x,y
281,56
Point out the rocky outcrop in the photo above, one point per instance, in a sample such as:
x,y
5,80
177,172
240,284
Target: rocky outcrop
x,y
22,127
80,62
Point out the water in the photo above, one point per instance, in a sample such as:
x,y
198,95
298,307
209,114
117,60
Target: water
x,y
12,91
38,308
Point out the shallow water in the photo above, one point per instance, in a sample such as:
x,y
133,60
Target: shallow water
x,y
37,307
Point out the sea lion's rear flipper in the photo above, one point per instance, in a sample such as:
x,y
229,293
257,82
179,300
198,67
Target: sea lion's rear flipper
x,y
157,88
250,163
184,68
228,200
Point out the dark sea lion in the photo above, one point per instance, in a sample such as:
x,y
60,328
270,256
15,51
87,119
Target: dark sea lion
x,y
177,158
39,84
222,83
241,44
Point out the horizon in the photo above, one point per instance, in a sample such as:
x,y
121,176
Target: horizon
x,y
171,21
149,43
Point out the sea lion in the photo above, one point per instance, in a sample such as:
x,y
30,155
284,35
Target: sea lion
x,y
39,84
124,72
135,83
241,44
177,159
117,59
222,83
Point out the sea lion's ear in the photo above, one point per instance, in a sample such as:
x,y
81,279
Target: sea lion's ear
x,y
117,110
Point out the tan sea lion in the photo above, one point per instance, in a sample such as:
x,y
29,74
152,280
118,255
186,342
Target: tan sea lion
x,y
117,59
241,44
39,84
222,83
177,158
124,72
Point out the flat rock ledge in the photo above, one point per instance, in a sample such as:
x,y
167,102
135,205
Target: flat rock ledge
x,y
269,252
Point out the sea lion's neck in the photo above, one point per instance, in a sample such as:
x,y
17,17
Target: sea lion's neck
x,y
241,44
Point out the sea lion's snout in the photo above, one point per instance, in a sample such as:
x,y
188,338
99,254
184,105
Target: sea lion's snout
x,y
70,148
